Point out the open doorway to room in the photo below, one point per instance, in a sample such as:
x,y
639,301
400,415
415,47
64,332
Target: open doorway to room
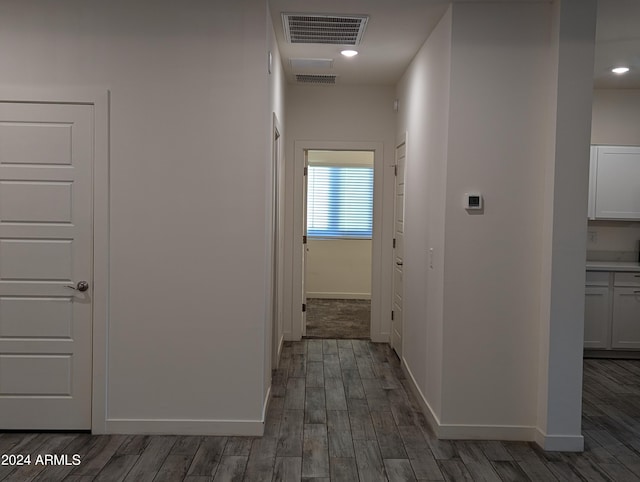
x,y
339,233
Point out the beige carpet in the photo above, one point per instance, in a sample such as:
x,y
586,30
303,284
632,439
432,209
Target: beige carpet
x,y
331,318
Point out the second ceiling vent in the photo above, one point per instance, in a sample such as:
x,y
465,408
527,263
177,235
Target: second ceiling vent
x,y
316,79
304,28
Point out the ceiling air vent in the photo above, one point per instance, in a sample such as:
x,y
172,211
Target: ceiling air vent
x,y
302,28
315,79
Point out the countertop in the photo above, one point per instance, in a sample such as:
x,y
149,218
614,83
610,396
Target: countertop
x,y
613,266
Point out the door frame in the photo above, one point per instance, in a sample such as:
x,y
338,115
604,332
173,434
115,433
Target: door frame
x,y
377,261
98,98
403,142
277,251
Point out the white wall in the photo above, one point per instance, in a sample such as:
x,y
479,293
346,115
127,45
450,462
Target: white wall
x,y
474,125
616,117
342,114
616,121
338,268
564,228
492,260
276,207
423,114
613,240
472,130
189,155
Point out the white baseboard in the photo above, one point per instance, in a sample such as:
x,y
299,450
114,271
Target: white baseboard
x,y
280,345
467,432
265,405
186,427
521,433
559,443
432,418
339,296
245,428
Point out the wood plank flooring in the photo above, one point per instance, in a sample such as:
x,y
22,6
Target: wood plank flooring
x,y
342,411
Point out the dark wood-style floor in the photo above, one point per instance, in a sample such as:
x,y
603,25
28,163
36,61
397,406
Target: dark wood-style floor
x,y
342,411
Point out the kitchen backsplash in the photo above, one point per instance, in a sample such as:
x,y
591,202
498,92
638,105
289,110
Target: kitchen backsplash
x,y
613,241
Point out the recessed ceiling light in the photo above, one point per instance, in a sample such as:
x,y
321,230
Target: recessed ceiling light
x,y
620,70
349,53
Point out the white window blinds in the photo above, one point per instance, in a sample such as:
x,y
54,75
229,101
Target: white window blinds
x,y
339,201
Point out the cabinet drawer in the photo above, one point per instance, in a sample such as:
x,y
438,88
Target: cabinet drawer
x,y
598,278
627,279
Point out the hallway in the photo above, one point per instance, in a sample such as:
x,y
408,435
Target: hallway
x,y
342,411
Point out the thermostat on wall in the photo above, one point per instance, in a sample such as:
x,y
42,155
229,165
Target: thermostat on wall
x,y
472,201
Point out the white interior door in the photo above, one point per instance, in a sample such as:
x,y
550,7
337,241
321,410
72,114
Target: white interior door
x,y
398,252
46,162
305,248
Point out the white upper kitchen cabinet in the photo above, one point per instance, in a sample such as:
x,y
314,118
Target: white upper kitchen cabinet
x,y
615,183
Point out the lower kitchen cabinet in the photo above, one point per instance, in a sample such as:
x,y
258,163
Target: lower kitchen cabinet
x,y
597,317
612,311
626,318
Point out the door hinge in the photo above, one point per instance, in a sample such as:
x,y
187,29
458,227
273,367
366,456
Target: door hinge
x,y
392,315
395,169
304,239
394,243
306,170
304,307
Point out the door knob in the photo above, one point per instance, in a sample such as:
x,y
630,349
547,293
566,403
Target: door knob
x,y
81,286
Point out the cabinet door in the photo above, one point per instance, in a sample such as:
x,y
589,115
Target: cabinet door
x,y
597,316
626,318
617,183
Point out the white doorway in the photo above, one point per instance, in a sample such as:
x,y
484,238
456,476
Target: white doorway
x,y
337,254
46,265
297,299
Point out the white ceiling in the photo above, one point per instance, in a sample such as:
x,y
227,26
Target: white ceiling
x,y
395,31
618,43
397,28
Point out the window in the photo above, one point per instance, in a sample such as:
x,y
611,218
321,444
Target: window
x,y
339,201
